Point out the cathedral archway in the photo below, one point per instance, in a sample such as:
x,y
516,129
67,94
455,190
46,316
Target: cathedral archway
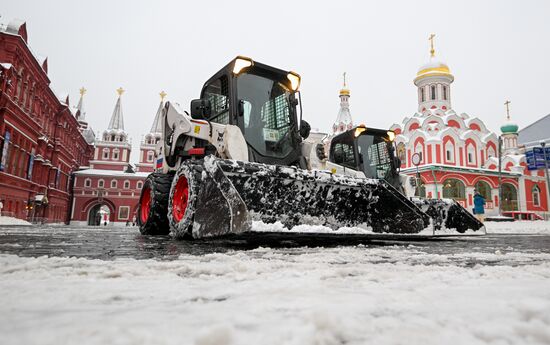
x,y
454,189
99,215
483,188
99,207
509,197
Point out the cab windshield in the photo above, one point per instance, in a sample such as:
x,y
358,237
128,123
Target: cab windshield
x,y
266,114
376,156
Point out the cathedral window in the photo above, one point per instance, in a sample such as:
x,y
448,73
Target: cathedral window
x,y
87,182
449,152
432,92
105,153
115,154
490,152
100,184
113,183
536,195
419,149
422,95
150,155
139,185
444,92
126,184
401,152
471,153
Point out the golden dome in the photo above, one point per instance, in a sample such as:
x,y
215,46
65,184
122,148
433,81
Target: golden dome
x,y
344,92
434,69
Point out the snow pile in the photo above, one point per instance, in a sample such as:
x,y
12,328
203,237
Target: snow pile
x,y
518,227
351,295
12,221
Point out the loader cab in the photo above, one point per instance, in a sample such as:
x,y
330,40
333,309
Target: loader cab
x,y
368,150
262,101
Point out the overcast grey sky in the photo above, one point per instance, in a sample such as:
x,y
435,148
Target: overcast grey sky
x,y
497,50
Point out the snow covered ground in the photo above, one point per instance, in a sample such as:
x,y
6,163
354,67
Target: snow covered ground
x,y
346,295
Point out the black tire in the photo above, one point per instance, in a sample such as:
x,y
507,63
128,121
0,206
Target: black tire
x,y
155,220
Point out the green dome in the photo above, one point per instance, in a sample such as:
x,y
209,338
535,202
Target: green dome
x,y
509,128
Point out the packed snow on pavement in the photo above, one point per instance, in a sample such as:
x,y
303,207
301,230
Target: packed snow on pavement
x,y
344,295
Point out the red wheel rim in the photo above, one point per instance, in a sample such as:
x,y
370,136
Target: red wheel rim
x,y
145,204
180,199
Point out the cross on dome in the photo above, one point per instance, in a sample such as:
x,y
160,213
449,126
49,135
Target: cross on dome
x,y
507,104
509,127
120,91
344,91
432,50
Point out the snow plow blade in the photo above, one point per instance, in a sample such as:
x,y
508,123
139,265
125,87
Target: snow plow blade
x,y
225,196
448,216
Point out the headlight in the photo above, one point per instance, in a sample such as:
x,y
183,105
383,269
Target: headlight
x,y
294,79
359,130
242,62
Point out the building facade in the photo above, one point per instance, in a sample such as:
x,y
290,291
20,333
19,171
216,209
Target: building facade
x,y
108,193
455,155
40,139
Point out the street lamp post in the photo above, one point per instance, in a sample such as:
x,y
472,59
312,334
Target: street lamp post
x,y
543,144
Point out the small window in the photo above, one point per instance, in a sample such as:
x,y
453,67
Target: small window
x,y
343,154
115,155
101,183
113,183
536,195
126,184
449,152
432,91
422,95
420,150
490,152
124,212
218,95
139,185
105,153
444,92
150,155
471,154
401,152
87,182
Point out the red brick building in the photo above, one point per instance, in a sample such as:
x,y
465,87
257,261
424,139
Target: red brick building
x,y
40,141
108,192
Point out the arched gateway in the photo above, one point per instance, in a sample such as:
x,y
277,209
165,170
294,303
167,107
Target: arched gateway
x,y
99,210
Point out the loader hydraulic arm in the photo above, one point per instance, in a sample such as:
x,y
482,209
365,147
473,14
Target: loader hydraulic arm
x,y
226,139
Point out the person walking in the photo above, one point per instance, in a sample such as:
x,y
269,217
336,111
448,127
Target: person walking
x,y
479,206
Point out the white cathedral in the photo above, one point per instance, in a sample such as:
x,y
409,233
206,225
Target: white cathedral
x,y
458,153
